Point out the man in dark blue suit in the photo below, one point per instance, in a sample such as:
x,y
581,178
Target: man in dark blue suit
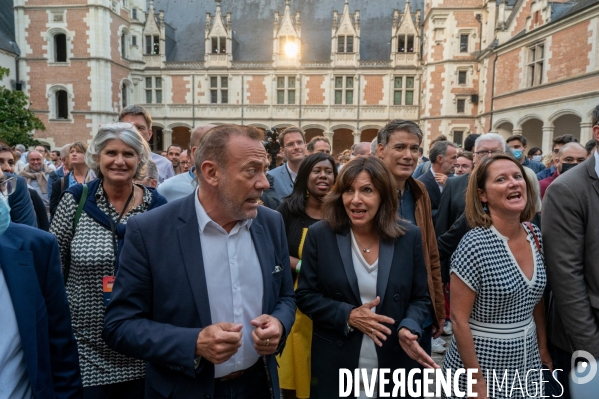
x,y
203,292
443,157
38,352
21,207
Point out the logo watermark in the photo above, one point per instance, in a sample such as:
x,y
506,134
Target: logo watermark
x,y
588,367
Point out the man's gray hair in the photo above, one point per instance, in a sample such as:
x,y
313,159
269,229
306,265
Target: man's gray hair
x,y
64,150
490,137
122,131
399,125
373,145
440,149
21,148
149,170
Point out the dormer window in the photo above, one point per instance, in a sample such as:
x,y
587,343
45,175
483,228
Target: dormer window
x,y
152,45
345,44
405,44
219,45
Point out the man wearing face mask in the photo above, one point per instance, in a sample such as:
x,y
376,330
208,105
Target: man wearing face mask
x,y
569,156
517,144
38,352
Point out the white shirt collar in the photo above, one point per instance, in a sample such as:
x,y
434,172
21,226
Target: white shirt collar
x,y
438,184
204,219
291,173
596,162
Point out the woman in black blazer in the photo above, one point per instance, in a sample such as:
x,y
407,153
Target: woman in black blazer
x,y
363,280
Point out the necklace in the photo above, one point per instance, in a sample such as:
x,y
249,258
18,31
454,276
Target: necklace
x,y
132,201
365,249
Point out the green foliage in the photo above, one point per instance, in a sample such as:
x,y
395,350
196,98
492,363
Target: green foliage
x,y
17,122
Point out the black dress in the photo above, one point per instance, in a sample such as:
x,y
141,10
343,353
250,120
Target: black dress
x,y
296,227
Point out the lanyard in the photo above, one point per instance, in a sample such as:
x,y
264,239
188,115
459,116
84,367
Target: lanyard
x,y
114,226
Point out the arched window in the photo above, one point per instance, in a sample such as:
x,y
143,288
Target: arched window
x,y
60,47
123,45
124,95
61,103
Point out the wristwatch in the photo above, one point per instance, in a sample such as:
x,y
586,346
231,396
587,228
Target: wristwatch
x,y
196,362
349,328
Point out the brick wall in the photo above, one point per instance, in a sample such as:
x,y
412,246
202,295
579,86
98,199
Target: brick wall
x,y
76,22
65,132
436,91
567,89
570,50
118,73
507,72
373,89
523,14
315,92
461,3
179,89
257,90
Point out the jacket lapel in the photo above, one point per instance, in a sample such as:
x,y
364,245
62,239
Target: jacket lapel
x,y
344,243
385,257
591,169
262,250
191,249
22,283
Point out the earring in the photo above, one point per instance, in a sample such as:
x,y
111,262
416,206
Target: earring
x,y
485,207
307,194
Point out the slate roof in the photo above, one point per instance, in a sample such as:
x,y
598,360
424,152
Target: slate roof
x,y
253,21
7,27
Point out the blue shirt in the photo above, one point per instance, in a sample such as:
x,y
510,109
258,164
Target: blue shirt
x,y
545,173
14,380
407,205
534,165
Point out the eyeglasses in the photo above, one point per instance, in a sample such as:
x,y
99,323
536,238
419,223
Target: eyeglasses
x,y
8,186
489,152
185,163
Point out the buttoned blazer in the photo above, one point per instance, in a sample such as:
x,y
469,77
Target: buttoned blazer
x,y
433,190
160,299
282,181
31,265
328,290
571,232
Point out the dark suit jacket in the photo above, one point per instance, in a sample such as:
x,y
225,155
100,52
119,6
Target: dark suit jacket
x,y
40,210
31,265
59,185
570,234
433,190
160,300
452,203
328,290
282,181
21,207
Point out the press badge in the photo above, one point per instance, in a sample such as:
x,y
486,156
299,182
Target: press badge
x,y
107,283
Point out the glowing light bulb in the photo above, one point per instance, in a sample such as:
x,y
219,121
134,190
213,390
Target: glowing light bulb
x,y
291,49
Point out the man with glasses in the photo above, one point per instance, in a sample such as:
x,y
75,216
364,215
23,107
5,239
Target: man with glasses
x,y
38,351
293,146
21,206
184,162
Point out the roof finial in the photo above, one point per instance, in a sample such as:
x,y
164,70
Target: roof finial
x,y
218,5
151,3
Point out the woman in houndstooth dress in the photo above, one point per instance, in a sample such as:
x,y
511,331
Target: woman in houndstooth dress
x,y
497,285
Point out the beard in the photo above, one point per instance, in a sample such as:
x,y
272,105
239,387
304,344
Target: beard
x,y
225,195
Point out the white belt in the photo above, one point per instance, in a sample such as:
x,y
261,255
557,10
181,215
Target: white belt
x,y
504,331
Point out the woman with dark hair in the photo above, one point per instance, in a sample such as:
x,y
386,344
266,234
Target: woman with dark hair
x,y
301,209
363,281
497,282
535,154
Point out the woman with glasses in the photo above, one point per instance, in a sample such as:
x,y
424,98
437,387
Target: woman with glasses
x,y
79,174
20,208
90,242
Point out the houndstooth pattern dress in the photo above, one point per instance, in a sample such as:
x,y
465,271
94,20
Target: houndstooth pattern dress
x,y
504,295
92,257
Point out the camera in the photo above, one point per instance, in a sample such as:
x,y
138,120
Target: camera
x,y
271,145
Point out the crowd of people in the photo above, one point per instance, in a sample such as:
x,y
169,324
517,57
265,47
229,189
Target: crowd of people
x,y
202,273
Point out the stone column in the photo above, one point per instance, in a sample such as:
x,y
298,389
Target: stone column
x,y
547,145
167,138
329,136
357,137
517,131
586,132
